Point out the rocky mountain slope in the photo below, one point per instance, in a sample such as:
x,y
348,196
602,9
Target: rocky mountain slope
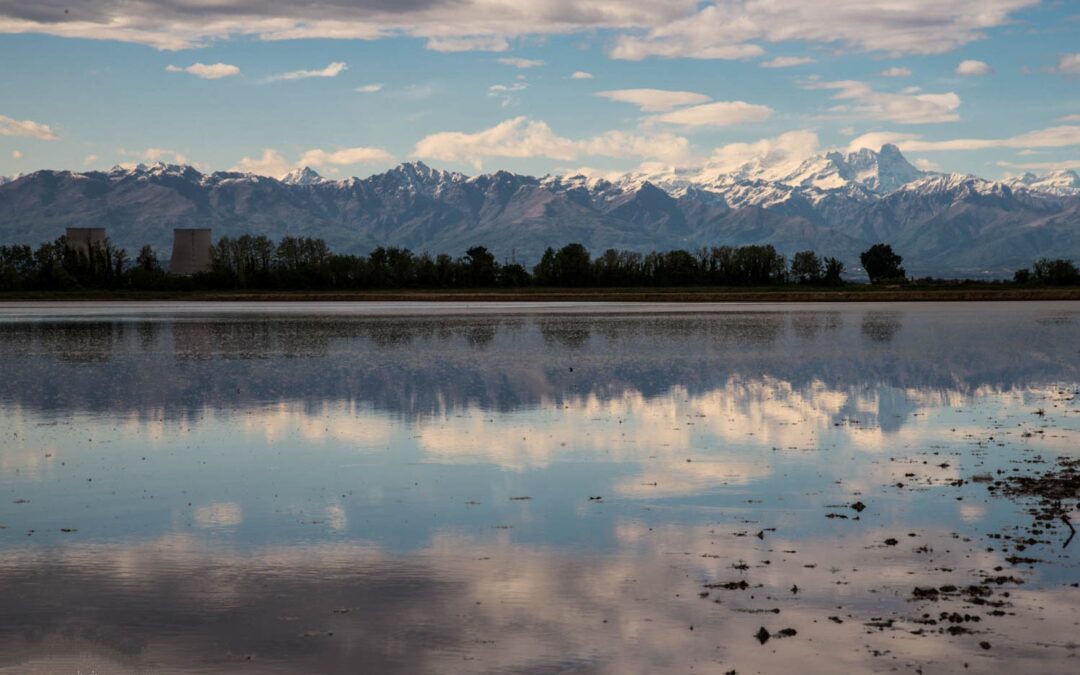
x,y
837,204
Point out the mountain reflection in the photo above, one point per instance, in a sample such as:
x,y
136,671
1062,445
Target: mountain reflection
x,y
421,366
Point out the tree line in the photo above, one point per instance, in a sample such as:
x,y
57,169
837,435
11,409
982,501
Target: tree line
x,y
257,262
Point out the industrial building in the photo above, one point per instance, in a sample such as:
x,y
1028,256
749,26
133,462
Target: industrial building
x,y
191,251
82,239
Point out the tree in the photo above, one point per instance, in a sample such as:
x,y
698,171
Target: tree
x,y
806,268
833,269
481,266
882,264
572,266
1059,272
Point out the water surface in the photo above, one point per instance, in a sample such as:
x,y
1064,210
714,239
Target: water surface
x,y
553,487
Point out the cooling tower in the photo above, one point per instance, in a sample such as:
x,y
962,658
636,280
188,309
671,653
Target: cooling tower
x,y
81,239
190,251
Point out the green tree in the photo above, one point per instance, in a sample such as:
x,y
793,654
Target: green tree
x,y
807,268
833,269
1058,272
481,266
882,264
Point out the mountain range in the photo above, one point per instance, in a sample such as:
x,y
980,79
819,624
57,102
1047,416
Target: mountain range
x,y
835,203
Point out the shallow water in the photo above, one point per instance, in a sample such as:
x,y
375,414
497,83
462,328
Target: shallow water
x,y
454,488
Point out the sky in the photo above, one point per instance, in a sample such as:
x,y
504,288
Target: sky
x,y
352,88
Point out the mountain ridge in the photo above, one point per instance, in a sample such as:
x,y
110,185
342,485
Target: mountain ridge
x,y
835,203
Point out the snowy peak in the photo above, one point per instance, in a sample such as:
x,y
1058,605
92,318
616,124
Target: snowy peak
x,y
1063,183
883,171
303,176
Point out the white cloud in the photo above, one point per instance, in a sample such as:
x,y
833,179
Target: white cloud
x,y
1052,137
896,71
728,30
926,165
26,128
903,108
332,70
1069,118
212,71
16,154
369,88
522,138
581,75
520,63
723,29
154,155
486,43
785,149
89,159
654,100
505,92
786,61
1068,64
272,163
973,68
718,114
345,156
506,88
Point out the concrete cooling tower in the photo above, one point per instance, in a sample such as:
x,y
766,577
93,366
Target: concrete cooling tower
x,y
190,251
83,238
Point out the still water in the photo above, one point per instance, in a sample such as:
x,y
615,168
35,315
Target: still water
x,y
349,488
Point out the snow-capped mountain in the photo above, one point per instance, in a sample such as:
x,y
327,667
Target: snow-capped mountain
x,y
1064,183
835,203
303,176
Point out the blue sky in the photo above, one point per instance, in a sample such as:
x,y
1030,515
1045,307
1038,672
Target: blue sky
x,y
990,87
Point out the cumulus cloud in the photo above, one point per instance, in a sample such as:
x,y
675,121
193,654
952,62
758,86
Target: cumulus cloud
x,y
1052,137
89,159
521,63
345,156
654,100
581,75
212,71
16,154
521,138
728,30
1068,64
896,71
786,61
904,108
784,149
332,70
154,155
369,88
26,128
273,163
973,68
717,114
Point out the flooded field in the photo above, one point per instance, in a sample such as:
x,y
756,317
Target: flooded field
x,y
539,488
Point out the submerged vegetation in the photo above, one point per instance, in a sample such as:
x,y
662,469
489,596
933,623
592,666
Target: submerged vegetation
x,y
303,263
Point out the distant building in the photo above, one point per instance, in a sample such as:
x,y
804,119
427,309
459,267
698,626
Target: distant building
x,y
82,239
190,251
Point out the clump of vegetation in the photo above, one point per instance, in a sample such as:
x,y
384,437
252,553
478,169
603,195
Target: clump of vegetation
x,y
1047,272
882,264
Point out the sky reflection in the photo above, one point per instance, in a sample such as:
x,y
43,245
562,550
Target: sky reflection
x,y
524,491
